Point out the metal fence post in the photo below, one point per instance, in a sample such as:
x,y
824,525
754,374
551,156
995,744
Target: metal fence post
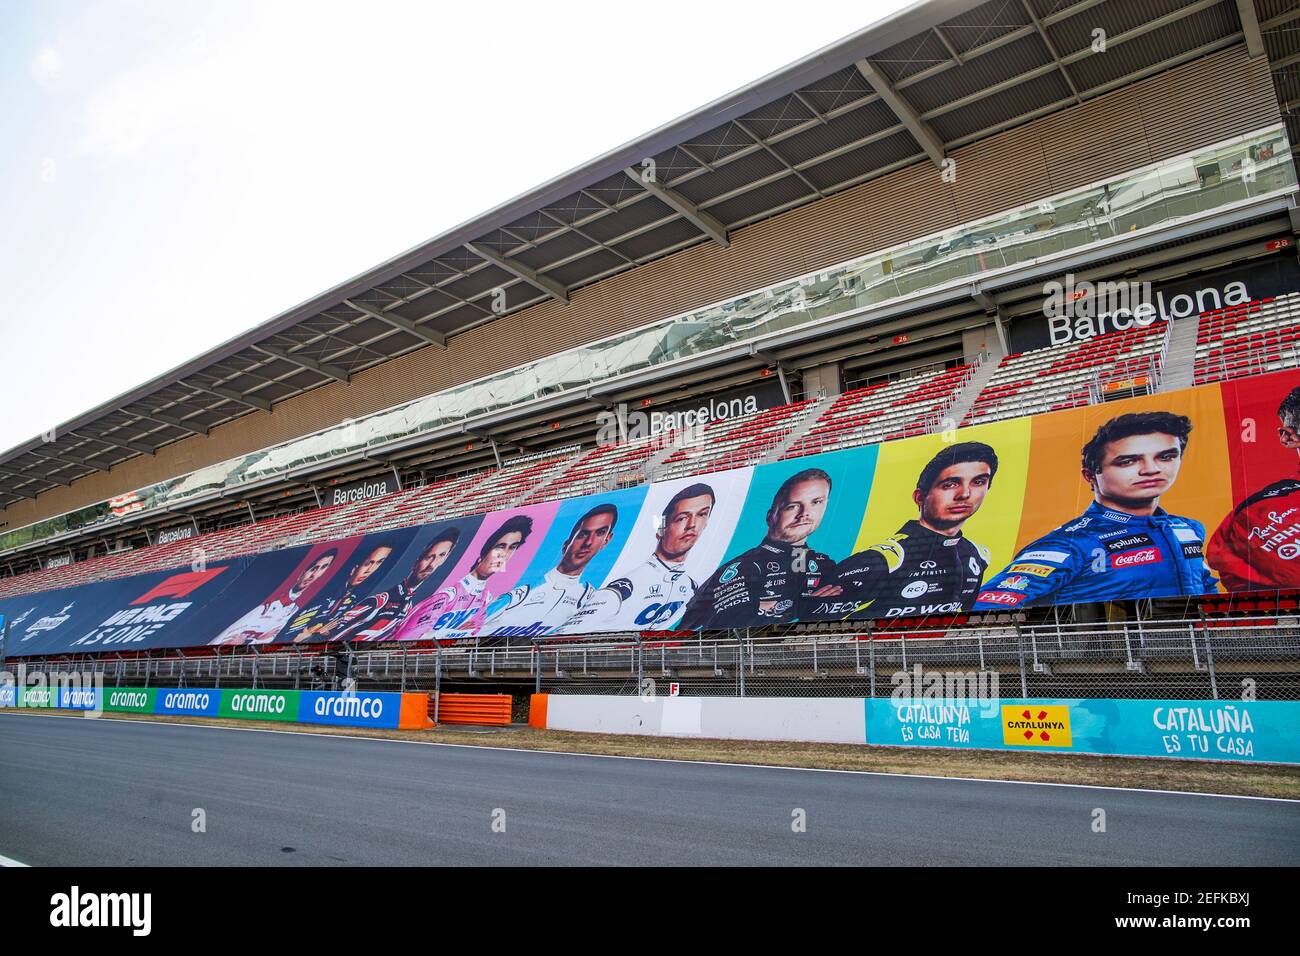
x,y
1209,665
871,661
437,679
537,668
1020,644
740,657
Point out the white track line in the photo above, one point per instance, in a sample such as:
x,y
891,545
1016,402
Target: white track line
x,y
10,861
705,763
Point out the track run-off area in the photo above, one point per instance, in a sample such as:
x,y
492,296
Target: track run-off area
x,y
79,792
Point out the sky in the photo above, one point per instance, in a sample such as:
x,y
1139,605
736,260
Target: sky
x,y
172,174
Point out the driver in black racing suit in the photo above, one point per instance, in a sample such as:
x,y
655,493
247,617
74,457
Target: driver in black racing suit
x,y
769,584
928,566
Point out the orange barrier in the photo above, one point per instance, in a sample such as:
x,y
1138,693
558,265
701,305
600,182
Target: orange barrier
x,y
537,711
415,711
493,710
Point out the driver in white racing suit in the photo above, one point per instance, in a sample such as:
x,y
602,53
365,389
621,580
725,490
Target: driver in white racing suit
x,y
533,610
652,595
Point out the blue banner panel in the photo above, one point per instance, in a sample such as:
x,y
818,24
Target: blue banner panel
x,y
349,709
79,698
8,696
197,702
1267,731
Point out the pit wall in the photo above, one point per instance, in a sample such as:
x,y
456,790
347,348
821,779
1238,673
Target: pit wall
x,y
382,710
1262,731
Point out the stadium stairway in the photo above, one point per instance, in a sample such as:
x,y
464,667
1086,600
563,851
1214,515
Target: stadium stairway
x,y
803,428
650,466
883,411
1180,359
985,368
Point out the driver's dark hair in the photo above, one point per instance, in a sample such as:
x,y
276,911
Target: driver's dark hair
x,y
690,491
605,508
1135,423
808,474
957,454
521,523
1289,410
330,553
450,534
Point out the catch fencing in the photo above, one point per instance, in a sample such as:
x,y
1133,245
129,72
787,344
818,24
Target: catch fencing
x,y
1206,659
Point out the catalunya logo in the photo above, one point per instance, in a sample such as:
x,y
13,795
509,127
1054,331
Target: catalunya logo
x,y
1036,725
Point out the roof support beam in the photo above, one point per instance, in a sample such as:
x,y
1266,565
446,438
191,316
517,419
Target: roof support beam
x,y
1281,18
66,461
521,271
1051,48
947,45
163,418
397,322
919,129
302,361
983,300
134,446
679,204
438,287
1250,28
53,482
251,401
15,493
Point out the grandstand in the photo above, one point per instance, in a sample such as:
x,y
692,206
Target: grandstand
x,y
802,244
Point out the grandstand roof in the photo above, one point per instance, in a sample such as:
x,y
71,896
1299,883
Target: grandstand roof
x,y
934,77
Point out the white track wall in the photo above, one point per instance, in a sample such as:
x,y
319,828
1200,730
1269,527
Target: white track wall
x,y
823,720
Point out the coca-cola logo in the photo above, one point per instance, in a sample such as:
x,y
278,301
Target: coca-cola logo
x,y
1130,558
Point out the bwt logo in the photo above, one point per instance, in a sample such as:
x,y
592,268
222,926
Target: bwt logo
x,y
76,909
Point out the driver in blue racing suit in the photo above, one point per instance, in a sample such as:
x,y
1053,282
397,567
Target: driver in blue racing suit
x,y
1124,546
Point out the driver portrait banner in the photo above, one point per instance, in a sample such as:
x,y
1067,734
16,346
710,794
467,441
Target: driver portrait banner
x,y
1187,493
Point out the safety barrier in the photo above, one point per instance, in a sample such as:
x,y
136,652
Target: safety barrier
x,y
491,710
391,711
1255,731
